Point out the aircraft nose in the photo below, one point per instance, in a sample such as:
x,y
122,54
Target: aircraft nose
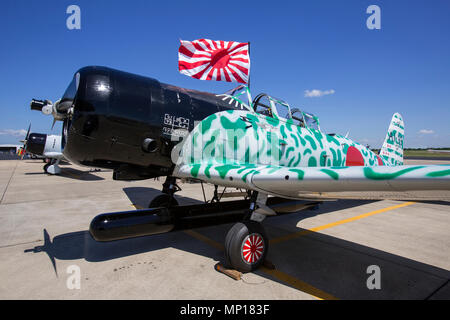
x,y
36,143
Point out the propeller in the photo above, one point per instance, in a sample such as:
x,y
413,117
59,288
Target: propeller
x,y
25,143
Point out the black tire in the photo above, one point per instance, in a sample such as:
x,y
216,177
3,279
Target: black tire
x,y
163,200
238,254
46,167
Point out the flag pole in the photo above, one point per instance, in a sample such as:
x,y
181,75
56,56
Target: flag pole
x,y
248,82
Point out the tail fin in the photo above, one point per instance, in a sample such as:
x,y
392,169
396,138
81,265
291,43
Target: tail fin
x,y
392,150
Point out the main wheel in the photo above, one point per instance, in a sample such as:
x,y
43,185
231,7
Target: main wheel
x,y
46,167
246,246
163,200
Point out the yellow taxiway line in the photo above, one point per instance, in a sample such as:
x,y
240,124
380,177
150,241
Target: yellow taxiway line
x,y
337,223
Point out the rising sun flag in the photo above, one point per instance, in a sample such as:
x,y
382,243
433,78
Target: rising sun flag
x,y
206,59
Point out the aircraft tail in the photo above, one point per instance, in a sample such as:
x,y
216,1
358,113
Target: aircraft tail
x,y
392,149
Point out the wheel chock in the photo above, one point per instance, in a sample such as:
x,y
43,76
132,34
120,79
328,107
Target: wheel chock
x,y
236,275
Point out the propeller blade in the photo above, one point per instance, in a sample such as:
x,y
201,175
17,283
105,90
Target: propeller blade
x,y
24,149
28,132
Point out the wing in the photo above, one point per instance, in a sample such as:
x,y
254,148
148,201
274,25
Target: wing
x,y
299,182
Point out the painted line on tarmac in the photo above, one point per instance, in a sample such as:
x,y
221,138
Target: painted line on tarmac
x,y
337,223
9,181
277,274
298,284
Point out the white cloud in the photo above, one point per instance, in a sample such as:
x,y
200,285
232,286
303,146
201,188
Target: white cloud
x,y
317,93
426,131
14,133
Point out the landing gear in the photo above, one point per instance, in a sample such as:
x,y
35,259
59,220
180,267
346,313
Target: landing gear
x,y
170,186
52,167
246,243
246,246
166,199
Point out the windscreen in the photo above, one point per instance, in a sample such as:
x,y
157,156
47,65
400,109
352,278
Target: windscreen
x,y
311,121
282,108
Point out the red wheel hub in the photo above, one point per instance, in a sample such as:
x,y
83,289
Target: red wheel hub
x,y
252,248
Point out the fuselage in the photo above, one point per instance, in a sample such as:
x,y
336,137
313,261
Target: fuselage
x,y
243,137
132,123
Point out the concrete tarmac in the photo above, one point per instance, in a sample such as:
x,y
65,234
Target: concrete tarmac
x,y
336,252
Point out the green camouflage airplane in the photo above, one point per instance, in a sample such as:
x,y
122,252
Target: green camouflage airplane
x,y
267,147
120,120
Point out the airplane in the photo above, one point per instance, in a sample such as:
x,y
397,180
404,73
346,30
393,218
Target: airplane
x,y
46,146
142,129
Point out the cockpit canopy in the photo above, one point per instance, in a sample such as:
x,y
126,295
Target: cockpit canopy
x,y
277,108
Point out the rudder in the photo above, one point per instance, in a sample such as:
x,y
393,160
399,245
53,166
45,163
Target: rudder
x,y
392,150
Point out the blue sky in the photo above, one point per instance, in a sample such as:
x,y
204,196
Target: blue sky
x,y
295,46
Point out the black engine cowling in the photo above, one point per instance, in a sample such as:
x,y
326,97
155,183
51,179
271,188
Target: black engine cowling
x,y
128,122
36,143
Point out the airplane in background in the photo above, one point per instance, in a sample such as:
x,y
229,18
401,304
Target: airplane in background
x,y
45,146
142,129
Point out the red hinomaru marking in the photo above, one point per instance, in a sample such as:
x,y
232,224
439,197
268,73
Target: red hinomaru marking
x,y
253,248
354,157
